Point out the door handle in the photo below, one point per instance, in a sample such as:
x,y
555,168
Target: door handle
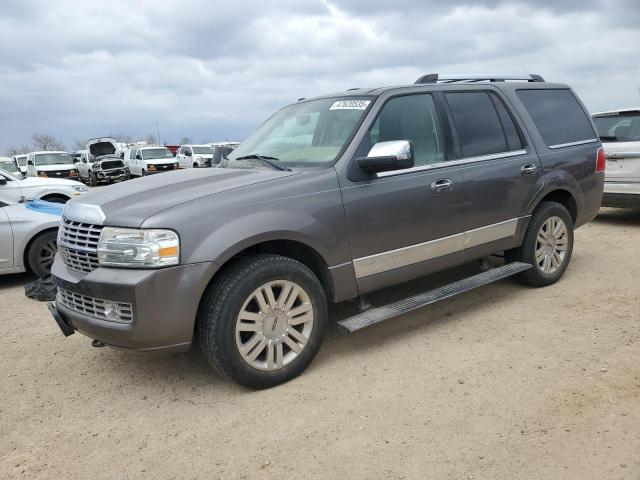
x,y
442,185
528,169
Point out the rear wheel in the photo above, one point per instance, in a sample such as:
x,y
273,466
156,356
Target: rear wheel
x,y
41,253
263,320
547,245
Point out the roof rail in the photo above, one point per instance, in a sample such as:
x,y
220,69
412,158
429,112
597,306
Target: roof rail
x,y
438,78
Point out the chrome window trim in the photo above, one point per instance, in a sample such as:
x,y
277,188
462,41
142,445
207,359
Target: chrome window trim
x,y
572,144
420,252
450,163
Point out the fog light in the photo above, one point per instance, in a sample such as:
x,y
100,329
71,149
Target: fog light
x,y
111,311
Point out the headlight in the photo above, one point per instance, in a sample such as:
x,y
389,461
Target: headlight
x,y
95,167
41,173
200,160
138,248
80,188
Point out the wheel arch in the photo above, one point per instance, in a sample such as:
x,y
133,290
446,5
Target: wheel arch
x,y
50,195
561,196
27,246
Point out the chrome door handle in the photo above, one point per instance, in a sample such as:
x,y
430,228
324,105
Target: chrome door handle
x,y
441,186
528,169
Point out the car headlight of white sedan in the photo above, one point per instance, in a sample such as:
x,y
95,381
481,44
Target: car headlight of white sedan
x,y
80,188
138,248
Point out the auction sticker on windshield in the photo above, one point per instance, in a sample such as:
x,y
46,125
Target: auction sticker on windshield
x,y
350,105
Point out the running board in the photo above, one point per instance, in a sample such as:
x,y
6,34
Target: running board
x,y
380,314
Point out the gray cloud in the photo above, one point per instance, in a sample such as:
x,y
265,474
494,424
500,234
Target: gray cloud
x,y
79,69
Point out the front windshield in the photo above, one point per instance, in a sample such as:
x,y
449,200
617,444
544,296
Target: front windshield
x,y
52,159
307,133
155,153
203,150
624,127
8,166
22,161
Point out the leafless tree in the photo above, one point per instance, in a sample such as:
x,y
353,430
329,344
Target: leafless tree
x,y
11,151
46,142
185,141
122,138
78,145
150,139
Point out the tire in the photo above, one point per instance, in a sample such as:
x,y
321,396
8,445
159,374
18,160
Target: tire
x,y
57,199
144,173
222,334
541,220
41,252
93,180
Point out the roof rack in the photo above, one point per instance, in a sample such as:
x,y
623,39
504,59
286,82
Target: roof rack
x,y
438,78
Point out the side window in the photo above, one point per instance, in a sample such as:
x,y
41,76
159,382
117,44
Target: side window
x,y
481,128
413,118
558,116
132,155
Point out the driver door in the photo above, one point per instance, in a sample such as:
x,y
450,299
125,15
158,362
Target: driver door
x,y
6,239
404,224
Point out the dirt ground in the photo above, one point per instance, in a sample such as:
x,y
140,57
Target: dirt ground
x,y
501,383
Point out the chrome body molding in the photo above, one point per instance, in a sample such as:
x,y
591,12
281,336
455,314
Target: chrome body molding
x,y
450,163
573,144
84,213
405,256
340,265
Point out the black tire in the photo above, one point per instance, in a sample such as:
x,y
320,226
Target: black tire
x,y
41,252
56,199
527,251
222,302
144,173
93,179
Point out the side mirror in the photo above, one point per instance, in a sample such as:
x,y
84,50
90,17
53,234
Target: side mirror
x,y
29,162
138,157
387,156
187,153
3,181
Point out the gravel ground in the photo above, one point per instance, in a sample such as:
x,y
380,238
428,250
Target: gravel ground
x,y
504,382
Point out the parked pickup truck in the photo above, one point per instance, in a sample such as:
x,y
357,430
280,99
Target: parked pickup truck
x,y
330,199
101,163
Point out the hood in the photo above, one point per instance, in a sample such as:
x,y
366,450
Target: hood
x,y
48,182
129,204
99,147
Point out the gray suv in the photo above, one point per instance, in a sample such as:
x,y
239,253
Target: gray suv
x,y
332,198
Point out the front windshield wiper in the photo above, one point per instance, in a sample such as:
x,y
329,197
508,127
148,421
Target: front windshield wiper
x,y
273,161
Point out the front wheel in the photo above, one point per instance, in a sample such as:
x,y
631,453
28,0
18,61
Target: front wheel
x,y
547,245
93,180
41,253
263,320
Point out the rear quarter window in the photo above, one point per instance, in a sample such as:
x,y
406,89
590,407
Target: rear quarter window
x,y
557,115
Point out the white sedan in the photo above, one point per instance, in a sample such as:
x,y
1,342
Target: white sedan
x,y
27,239
15,189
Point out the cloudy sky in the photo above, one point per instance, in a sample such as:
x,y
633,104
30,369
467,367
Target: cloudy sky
x,y
213,70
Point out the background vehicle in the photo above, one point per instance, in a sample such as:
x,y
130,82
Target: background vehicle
x,y
27,240
21,160
619,131
329,199
194,156
150,160
10,166
16,189
51,164
101,163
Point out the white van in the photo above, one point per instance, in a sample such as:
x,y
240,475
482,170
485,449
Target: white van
x,y
149,160
51,164
21,160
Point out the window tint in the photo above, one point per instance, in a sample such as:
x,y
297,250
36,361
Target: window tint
x,y
557,115
413,118
479,125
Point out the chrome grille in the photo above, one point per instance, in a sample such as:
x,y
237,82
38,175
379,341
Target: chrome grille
x,y
107,310
78,243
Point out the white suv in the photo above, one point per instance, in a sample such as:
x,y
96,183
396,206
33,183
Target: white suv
x,y
149,160
14,189
196,156
619,131
51,164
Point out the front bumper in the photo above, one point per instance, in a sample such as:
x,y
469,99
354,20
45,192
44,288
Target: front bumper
x,y
164,303
112,175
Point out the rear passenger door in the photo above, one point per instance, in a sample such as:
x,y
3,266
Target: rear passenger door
x,y
6,239
502,174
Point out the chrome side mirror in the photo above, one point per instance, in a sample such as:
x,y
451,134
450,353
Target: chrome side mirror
x,y
387,156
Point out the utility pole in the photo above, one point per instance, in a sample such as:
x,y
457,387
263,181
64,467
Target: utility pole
x,y
158,130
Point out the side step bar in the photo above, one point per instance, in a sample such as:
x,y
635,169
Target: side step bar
x,y
380,314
